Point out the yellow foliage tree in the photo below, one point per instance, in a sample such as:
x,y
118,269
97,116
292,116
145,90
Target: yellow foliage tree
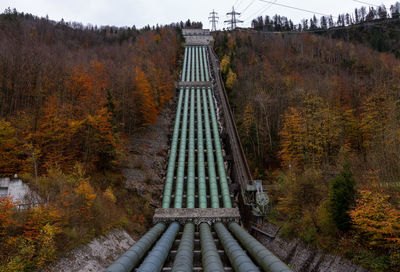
x,y
108,194
224,65
292,145
248,118
374,120
310,137
231,79
86,191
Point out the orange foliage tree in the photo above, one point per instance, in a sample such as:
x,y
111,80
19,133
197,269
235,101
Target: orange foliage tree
x,y
94,142
12,157
6,213
88,88
376,218
51,137
145,98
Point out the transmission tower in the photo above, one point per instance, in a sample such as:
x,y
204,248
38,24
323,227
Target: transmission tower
x,y
213,20
233,21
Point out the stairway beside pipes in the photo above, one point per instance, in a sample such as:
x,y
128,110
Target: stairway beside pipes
x,y
196,139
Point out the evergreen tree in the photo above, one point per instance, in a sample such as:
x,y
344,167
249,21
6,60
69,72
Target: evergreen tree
x,y
342,195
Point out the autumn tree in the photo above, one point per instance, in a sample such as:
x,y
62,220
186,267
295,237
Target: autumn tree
x,y
6,213
292,142
145,99
95,143
12,156
224,65
67,94
374,119
52,137
377,219
231,79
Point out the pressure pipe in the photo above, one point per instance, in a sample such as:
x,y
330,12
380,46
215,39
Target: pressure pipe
x,y
238,258
264,258
166,202
226,198
209,254
157,256
190,192
212,179
131,258
182,154
184,257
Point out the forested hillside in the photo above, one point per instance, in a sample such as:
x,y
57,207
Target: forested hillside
x,y
319,121
69,96
377,26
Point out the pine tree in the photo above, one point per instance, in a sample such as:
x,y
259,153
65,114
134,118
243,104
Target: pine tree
x,y
342,193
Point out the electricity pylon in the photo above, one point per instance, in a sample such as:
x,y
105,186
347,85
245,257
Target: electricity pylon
x,y
213,20
233,21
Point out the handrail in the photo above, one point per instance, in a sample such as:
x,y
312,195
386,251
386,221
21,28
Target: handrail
x,y
233,133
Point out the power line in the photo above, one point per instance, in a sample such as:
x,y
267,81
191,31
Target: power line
x,y
362,2
240,2
251,3
213,18
291,7
377,24
260,11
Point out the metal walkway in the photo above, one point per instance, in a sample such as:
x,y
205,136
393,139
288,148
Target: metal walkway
x,y
197,227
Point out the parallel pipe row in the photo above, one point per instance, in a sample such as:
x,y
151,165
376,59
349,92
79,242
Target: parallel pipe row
x,y
226,198
195,69
212,177
199,101
195,64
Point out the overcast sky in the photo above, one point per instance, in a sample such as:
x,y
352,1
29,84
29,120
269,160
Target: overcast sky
x,y
143,12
